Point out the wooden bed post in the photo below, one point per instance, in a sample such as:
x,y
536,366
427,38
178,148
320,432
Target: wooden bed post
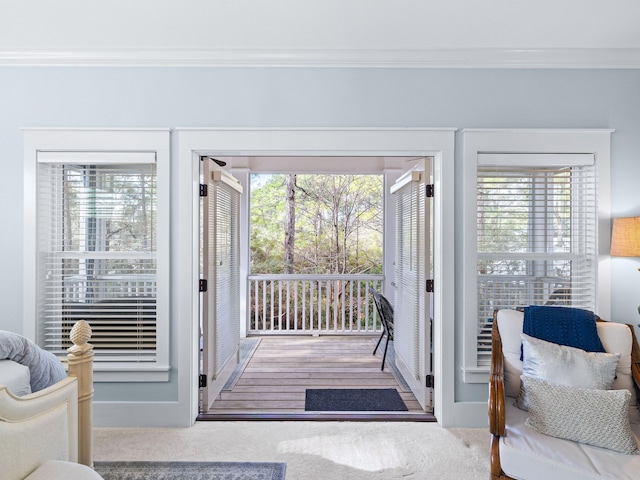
x,y
80,359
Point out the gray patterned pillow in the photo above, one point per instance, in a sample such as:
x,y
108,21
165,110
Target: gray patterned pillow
x,y
584,415
566,366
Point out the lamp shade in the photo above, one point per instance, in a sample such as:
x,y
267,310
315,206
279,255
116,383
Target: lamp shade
x,y
625,237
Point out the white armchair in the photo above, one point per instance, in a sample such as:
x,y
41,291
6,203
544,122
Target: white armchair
x,y
519,451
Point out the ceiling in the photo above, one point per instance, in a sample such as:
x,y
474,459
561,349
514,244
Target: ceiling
x,y
360,32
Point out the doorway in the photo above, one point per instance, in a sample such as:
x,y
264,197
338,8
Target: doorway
x,y
318,284
332,144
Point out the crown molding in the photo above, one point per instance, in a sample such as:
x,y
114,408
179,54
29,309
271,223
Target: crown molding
x,y
605,58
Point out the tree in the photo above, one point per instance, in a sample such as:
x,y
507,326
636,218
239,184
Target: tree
x,y
316,224
290,224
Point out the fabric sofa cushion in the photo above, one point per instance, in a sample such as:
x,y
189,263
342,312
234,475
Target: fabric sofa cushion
x,y
526,453
592,416
566,366
616,337
510,326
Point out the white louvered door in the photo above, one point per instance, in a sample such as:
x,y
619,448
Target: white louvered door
x,y
413,267
220,306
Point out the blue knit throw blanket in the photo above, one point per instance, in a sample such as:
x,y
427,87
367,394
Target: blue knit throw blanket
x,y
573,327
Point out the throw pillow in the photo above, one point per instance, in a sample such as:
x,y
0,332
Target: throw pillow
x,y
591,416
566,366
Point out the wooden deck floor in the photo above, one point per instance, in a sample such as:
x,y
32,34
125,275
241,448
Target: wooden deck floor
x,y
274,381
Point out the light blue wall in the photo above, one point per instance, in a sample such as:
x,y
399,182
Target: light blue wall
x,y
316,97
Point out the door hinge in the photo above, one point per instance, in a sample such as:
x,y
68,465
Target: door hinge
x,y
428,191
430,286
204,189
203,285
202,382
429,381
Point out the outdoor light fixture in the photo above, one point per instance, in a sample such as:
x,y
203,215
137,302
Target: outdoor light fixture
x,y
625,238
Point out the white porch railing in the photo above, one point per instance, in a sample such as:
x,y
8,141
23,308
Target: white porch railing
x,y
313,304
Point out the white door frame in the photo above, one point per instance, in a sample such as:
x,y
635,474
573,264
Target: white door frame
x,y
379,142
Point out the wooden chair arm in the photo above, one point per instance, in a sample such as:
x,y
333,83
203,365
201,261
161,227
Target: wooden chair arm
x,y
635,359
496,383
497,410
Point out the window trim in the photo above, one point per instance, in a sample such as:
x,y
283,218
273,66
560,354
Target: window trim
x,y
478,142
55,140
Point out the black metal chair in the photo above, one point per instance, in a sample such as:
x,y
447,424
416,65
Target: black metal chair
x,y
385,311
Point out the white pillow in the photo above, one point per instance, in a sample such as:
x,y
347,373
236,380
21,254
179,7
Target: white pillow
x,y
565,365
592,416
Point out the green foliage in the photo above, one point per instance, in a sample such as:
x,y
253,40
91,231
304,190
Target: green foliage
x,y
338,228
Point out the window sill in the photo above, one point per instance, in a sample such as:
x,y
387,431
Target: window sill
x,y
109,373
475,374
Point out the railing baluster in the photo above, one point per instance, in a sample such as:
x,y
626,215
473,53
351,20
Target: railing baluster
x,y
326,302
321,303
336,304
295,303
366,311
285,305
311,322
264,303
255,306
280,304
304,304
272,306
343,297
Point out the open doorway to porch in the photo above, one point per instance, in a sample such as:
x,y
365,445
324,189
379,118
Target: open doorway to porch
x,y
317,243
313,142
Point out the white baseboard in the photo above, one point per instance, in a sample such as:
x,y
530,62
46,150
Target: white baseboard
x,y
140,414
168,414
470,415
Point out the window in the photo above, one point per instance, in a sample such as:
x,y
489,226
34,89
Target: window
x,y
536,240
98,239
536,237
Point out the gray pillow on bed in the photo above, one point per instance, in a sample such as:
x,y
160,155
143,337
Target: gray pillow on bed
x,y
15,377
44,367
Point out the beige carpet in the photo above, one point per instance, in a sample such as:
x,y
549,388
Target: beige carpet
x,y
313,450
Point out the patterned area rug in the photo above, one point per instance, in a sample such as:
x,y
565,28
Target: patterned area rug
x,y
190,470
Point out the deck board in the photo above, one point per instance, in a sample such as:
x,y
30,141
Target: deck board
x,y
282,368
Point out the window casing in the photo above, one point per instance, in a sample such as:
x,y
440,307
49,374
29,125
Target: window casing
x,y
531,228
101,253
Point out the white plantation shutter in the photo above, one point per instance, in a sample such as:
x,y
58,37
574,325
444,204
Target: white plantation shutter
x,y
536,235
221,269
410,272
227,272
96,252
